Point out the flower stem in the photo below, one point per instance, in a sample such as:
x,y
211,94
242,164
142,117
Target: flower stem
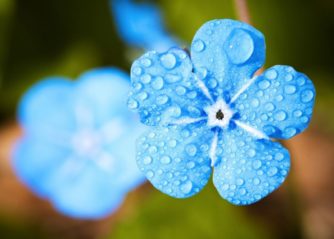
x,y
242,11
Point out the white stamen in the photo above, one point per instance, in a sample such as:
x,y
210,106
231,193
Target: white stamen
x,y
251,130
204,89
212,110
213,148
243,89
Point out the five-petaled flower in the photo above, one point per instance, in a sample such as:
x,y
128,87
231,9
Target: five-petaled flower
x,y
78,148
210,112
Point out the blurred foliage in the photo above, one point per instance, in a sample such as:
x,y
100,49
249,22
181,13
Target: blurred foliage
x,y
204,216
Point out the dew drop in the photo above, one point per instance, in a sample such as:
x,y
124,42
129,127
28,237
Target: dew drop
x,y
146,62
239,46
149,174
137,71
172,143
190,165
172,78
198,45
288,77
191,150
269,106
256,181
162,99
290,89
257,164
165,160
251,153
142,96
280,115
264,84
279,156
180,90
132,104
158,83
255,103
271,74
187,187
147,160
307,96
297,113
290,131
168,61
152,150
272,171
146,78
240,181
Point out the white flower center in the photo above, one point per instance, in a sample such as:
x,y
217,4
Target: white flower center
x,y
219,114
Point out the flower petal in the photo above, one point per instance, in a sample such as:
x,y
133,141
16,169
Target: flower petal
x,y
175,159
164,88
249,168
34,160
91,193
102,94
42,110
278,103
226,53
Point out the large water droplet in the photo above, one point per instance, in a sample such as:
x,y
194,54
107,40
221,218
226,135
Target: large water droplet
x,y
290,131
255,103
269,106
157,83
257,164
149,174
280,115
264,84
137,70
168,61
187,187
165,160
147,160
271,74
180,90
251,153
132,104
162,99
146,78
307,96
239,46
272,171
290,89
198,45
146,62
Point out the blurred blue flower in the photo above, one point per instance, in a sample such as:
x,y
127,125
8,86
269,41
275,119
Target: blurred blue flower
x,y
78,148
211,113
141,25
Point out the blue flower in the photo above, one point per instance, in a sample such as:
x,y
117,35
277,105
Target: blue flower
x,y
209,112
78,148
141,25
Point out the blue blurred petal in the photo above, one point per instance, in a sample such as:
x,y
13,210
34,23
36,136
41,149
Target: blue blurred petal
x,y
249,168
141,25
34,160
175,159
229,51
164,89
43,111
91,193
102,93
278,103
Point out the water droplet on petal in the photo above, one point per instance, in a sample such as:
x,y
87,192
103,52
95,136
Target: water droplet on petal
x,y
271,74
269,106
147,160
307,96
251,153
255,103
158,83
168,61
297,113
280,115
165,160
240,181
137,71
187,187
272,171
264,84
180,90
162,99
290,89
149,174
198,45
146,62
239,46
191,150
146,78
132,104
290,131
257,164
